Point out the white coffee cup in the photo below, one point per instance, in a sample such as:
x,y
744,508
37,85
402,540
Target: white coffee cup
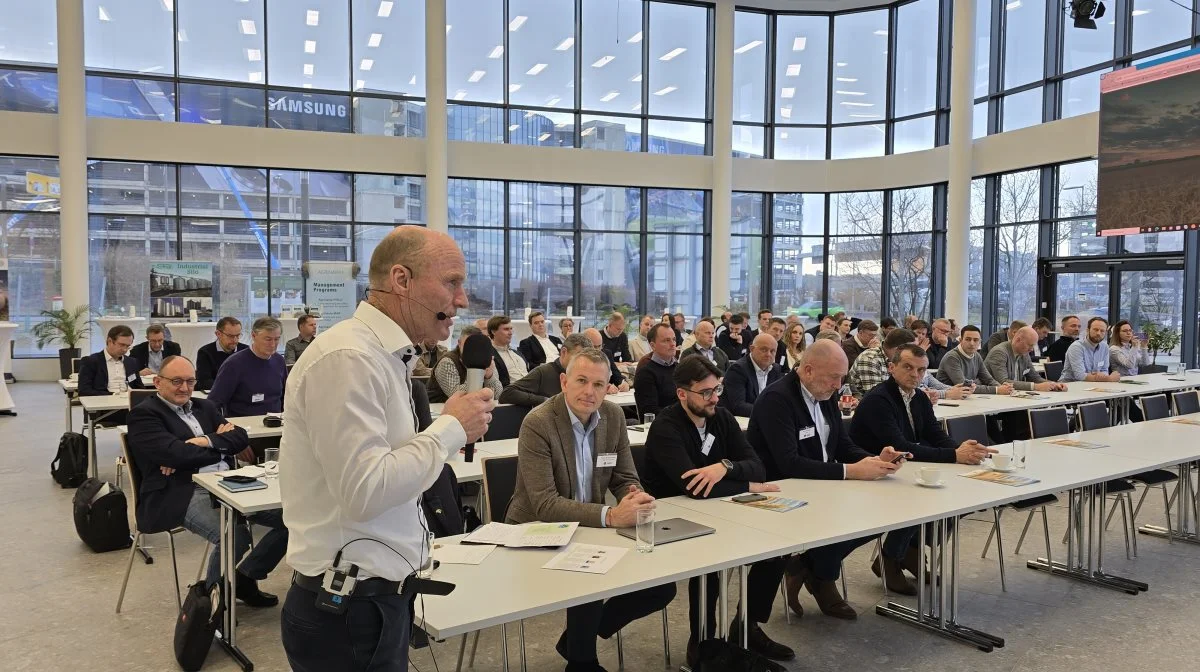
x,y
1002,461
931,475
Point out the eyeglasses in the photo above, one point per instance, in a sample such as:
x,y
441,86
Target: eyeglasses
x,y
181,382
707,395
229,335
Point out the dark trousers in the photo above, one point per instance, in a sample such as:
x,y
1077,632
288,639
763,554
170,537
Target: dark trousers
x,y
370,636
825,562
712,591
586,621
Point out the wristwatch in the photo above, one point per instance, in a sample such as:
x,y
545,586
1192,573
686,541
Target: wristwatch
x,y
728,465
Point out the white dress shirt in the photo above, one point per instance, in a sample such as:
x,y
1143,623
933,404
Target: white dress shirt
x,y
351,461
517,368
548,347
763,375
116,373
819,422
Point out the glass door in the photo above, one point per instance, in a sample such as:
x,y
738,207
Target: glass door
x,y
1153,297
1083,295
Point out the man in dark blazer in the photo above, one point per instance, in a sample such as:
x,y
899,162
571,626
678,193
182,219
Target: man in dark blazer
x,y
749,376
150,353
706,345
171,437
211,356
111,370
510,363
572,450
534,348
544,381
733,340
797,430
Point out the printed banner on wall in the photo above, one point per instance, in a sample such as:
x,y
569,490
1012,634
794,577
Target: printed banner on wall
x,y
330,286
177,287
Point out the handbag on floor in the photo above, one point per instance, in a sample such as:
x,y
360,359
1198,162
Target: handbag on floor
x,y
101,516
197,623
718,655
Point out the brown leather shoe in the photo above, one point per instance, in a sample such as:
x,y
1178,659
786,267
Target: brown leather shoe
x,y
896,581
795,577
829,599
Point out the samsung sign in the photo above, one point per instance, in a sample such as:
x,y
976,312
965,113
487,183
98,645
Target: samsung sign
x,y
307,106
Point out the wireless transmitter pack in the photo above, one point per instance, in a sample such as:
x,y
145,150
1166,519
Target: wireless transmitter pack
x,y
336,589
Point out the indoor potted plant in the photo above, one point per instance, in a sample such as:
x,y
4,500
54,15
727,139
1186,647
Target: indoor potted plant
x,y
1159,339
68,327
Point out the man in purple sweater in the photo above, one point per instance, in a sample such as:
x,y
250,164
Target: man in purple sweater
x,y
251,381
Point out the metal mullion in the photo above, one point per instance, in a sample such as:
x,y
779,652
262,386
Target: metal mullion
x,y
645,112
1191,290
577,55
350,56
885,240
504,117
643,245
937,253
889,85
706,262
766,276
769,87
825,262
577,263
829,117
1123,31
506,239
266,78
178,212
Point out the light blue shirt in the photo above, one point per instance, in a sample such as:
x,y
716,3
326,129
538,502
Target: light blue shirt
x,y
185,413
1082,358
929,382
585,438
155,362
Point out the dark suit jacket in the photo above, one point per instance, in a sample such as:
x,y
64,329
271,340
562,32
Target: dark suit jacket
x,y
995,339
935,352
889,425
722,358
141,352
93,375
741,385
1057,352
502,368
546,476
532,351
536,387
158,438
775,425
209,361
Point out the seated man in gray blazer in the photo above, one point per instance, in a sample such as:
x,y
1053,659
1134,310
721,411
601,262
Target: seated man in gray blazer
x,y
543,381
571,450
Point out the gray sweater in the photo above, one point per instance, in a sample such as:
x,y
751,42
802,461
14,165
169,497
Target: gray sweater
x,y
1008,367
956,368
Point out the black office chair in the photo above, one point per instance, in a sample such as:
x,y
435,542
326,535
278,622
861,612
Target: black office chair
x,y
1155,407
1053,370
75,364
1186,402
138,396
639,459
967,428
506,422
1046,422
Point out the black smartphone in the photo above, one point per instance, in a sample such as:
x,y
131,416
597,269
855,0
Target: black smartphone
x,y
902,456
238,478
947,403
749,497
638,429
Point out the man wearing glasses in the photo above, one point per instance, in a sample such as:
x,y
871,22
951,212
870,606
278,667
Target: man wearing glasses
x,y
211,356
940,342
251,381
172,436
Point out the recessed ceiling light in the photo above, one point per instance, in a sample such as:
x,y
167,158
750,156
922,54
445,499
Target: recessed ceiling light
x,y
793,70
385,8
672,53
460,94
609,96
306,85
375,39
554,100
247,27
881,32
853,104
182,35
565,44
787,92
308,69
514,127
169,5
636,78
476,76
783,135
588,131
448,27
1015,4
1140,12
603,61
543,137
637,108
313,17
513,88
310,46
537,68
747,46
864,116
497,51
103,14
786,111
850,79
636,38
665,90
253,55
851,93
842,64
516,23
412,81
367,64
360,84
255,77
799,43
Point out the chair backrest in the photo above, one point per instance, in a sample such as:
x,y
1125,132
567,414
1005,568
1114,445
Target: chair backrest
x,y
967,428
499,485
639,459
1186,402
506,422
1045,422
75,364
138,396
135,478
1093,415
1155,407
1053,370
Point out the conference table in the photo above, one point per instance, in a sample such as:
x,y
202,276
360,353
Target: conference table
x,y
620,399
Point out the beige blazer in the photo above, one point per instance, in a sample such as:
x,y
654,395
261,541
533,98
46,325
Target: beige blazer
x,y
546,478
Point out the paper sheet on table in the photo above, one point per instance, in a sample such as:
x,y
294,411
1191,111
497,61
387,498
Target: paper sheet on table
x,y
1077,443
530,535
587,558
998,477
777,504
1186,421
251,470
1102,389
458,554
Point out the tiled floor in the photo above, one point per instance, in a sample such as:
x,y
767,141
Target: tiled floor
x,y
58,597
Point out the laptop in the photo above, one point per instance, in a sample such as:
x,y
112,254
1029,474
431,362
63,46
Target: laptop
x,y
669,530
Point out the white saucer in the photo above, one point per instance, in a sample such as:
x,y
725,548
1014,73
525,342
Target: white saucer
x,y
1005,470
939,484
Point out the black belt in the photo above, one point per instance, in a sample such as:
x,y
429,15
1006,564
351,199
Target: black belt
x,y
375,587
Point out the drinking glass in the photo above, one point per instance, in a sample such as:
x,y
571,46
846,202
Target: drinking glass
x,y
271,462
644,538
648,419
1020,452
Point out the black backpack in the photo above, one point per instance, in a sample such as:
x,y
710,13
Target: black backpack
x,y
102,520
199,618
69,467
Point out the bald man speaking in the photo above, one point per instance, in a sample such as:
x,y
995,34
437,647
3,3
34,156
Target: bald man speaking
x,y
353,465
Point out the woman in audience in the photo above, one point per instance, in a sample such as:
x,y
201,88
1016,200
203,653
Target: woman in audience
x,y
843,328
1125,353
566,327
793,339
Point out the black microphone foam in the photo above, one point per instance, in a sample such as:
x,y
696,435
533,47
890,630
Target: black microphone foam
x,y
477,352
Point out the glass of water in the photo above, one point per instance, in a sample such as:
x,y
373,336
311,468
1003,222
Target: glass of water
x,y
645,531
1020,452
271,462
648,419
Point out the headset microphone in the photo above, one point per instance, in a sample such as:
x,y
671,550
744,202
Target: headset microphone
x,y
438,314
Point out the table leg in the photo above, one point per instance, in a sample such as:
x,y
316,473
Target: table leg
x,y
227,638
68,417
1185,517
744,588
938,614
93,467
722,605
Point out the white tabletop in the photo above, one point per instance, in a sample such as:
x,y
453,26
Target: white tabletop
x,y
1077,393
246,502
113,402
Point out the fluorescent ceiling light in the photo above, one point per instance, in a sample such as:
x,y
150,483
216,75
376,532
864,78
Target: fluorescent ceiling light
x,y
255,77
851,93
842,64
786,111
375,39
850,104
543,137
565,44
460,94
609,96
183,35
665,90
103,14
516,23
555,100
169,5
603,61
793,70
306,85
747,47
588,131
636,78
537,68
385,8
637,108
881,32
636,38
367,64
513,88
476,76
850,79
787,92
514,127
864,116
783,135
1140,12
253,55
313,17
308,69
247,27
1015,4
360,84
497,51
448,27
672,53
310,46
799,43
412,81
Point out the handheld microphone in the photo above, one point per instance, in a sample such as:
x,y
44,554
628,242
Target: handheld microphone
x,y
476,356
441,316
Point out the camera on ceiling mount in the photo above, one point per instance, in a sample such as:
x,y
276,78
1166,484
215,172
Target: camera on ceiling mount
x,y
1085,12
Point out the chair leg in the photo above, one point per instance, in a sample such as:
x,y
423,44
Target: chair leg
x,y
787,612
991,533
999,548
462,650
128,568
175,570
203,561
521,636
842,572
474,647
1046,530
503,644
1021,539
1167,510
1146,491
1125,502
621,650
1113,511
667,635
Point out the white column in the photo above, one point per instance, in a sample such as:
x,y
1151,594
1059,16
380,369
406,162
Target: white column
x,y
436,182
958,201
722,183
72,156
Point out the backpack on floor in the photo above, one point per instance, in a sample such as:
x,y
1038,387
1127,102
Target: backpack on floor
x,y
69,467
197,623
101,516
718,655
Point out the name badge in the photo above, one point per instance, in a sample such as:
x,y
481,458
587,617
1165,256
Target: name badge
x,y
808,433
1025,372
257,398
606,460
131,377
708,444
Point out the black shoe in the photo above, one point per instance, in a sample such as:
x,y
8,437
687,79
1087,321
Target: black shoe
x,y
759,642
693,654
251,596
593,666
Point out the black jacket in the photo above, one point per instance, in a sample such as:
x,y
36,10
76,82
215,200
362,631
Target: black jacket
x,y
935,352
537,386
779,417
158,438
141,352
741,385
209,360
733,349
502,368
653,386
532,351
616,347
722,359
93,375
673,447
889,425
1058,351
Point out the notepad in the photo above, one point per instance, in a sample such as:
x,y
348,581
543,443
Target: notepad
x,y
776,504
586,558
1077,443
1101,389
1186,421
998,477
459,554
